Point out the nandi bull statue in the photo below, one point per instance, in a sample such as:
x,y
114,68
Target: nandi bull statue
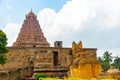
x,y
85,64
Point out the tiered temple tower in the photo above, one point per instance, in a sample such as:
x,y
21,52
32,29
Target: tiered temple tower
x,y
31,34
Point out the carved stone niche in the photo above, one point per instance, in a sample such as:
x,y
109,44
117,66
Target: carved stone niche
x,y
31,59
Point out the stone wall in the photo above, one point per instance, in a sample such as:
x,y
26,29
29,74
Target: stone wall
x,y
59,59
37,57
16,73
19,56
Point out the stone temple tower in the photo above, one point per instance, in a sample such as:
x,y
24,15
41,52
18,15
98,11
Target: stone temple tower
x,y
31,34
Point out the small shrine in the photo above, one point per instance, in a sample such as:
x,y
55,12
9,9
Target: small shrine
x,y
111,73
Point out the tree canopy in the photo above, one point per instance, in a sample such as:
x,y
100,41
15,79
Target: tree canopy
x,y
106,61
3,49
116,62
107,57
3,42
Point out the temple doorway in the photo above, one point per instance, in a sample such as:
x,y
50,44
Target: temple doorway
x,y
55,58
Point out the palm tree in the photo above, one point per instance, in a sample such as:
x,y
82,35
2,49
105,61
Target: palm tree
x,y
117,62
104,65
101,63
107,58
100,60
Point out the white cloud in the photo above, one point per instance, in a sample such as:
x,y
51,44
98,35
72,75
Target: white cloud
x,y
93,21
115,52
46,20
12,30
111,12
87,20
68,20
76,13
8,7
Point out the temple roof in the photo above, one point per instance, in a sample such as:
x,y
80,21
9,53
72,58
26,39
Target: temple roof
x,y
113,71
31,13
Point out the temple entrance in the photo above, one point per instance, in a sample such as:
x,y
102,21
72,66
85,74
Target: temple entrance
x,y
55,58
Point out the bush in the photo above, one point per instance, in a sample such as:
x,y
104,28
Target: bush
x,y
40,76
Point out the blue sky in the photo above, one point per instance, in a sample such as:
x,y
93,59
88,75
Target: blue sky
x,y
14,10
95,22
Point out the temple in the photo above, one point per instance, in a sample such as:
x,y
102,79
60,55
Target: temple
x,y
31,54
31,34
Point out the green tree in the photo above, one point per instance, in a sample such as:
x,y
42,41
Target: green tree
x,y
3,49
40,76
100,59
107,58
103,64
2,59
116,62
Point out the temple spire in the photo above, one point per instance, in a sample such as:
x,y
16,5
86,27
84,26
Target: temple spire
x,y
31,10
31,34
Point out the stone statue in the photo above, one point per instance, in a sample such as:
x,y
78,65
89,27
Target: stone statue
x,y
85,64
31,59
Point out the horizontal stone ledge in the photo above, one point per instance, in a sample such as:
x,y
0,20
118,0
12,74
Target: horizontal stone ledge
x,y
50,70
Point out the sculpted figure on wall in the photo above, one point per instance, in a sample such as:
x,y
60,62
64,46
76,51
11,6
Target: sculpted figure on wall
x,y
75,49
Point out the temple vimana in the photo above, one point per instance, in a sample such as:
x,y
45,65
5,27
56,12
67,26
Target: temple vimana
x,y
31,54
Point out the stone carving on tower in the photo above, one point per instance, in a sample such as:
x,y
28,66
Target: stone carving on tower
x,y
31,34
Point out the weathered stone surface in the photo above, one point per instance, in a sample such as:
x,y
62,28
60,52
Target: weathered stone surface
x,y
85,64
43,59
16,73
